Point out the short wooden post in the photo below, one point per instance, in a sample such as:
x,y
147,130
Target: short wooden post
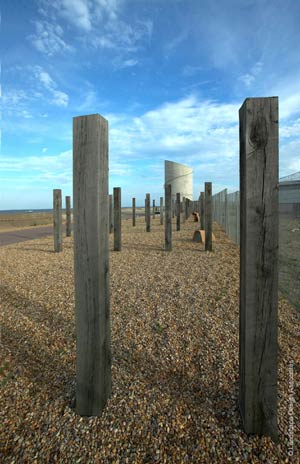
x,y
168,217
259,265
186,213
117,219
91,263
68,216
161,210
177,211
57,220
208,217
133,212
153,209
202,210
147,209
111,222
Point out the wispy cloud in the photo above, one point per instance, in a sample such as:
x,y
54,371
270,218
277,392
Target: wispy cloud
x,y
249,78
59,98
48,38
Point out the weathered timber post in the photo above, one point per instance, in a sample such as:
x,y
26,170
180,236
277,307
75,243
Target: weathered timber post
x,y
133,212
111,222
186,213
147,206
183,209
202,210
259,265
117,219
238,222
91,263
153,209
68,216
173,208
178,211
208,217
161,210
57,220
168,218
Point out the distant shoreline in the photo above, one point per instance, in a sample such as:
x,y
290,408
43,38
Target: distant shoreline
x,y
34,211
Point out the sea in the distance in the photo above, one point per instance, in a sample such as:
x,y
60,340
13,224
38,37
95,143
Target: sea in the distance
x,y
23,211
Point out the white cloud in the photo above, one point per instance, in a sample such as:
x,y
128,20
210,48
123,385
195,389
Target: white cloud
x,y
249,78
59,98
48,38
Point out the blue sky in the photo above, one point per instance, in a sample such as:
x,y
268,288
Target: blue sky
x,y
169,75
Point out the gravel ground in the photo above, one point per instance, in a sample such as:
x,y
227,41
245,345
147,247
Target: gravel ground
x,y
175,357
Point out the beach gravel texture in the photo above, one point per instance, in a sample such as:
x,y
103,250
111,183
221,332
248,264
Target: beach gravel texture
x,y
175,328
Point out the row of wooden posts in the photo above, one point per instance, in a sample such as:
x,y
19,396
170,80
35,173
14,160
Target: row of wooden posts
x,y
172,209
258,263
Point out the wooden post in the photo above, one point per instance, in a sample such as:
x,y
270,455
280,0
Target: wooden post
x,y
186,213
183,209
178,211
133,212
161,210
208,217
238,222
173,208
259,265
202,210
147,206
91,263
117,219
68,216
153,209
111,222
168,218
57,220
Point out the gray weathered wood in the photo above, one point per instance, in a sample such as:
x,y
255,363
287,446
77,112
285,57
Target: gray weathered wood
x,y
168,217
161,210
133,212
117,219
208,217
178,211
57,220
202,210
259,265
111,220
91,263
187,205
183,209
173,208
68,216
147,208
153,209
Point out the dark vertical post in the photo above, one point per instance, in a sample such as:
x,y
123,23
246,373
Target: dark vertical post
x,y
202,210
186,213
111,222
68,216
117,219
91,263
173,208
177,211
147,206
259,265
153,209
168,218
208,217
57,220
161,210
183,208
133,212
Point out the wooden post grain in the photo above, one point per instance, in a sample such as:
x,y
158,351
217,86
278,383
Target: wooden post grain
x,y
208,217
161,210
117,219
57,220
133,212
147,206
111,221
259,265
168,217
178,211
91,263
202,210
68,216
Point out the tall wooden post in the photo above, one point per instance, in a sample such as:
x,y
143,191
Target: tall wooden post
x,y
259,265
183,208
133,212
161,210
177,211
57,220
202,210
208,217
147,206
153,209
173,208
111,221
91,263
186,213
168,218
117,219
68,216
